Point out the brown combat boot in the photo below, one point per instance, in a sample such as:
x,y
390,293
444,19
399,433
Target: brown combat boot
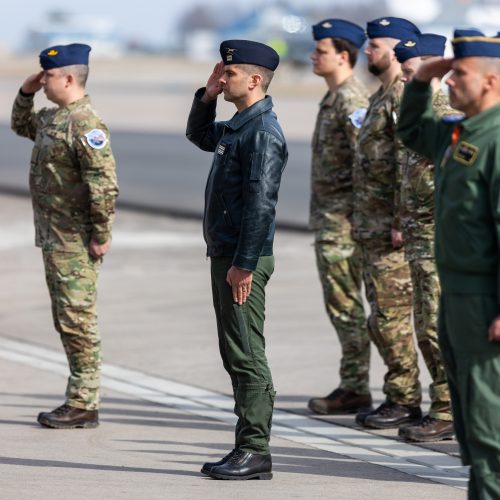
x,y
340,402
427,430
68,417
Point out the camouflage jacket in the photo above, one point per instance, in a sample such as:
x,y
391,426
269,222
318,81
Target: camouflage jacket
x,y
72,177
337,125
417,195
377,168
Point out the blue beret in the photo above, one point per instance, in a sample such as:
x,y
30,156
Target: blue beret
x,y
426,44
338,28
248,52
391,27
64,55
473,43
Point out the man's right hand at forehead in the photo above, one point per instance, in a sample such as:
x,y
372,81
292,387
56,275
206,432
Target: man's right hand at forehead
x,y
214,87
32,83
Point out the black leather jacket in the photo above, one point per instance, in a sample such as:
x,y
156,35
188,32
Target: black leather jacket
x,y
242,187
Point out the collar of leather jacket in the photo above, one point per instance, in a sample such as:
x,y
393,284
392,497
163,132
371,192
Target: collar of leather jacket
x,y
239,119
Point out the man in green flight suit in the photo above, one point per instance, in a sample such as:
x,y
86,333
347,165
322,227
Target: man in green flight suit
x,y
466,153
73,187
340,116
417,223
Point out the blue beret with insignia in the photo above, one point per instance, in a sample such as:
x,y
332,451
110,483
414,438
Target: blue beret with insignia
x,y
391,27
426,44
249,52
338,28
474,43
64,55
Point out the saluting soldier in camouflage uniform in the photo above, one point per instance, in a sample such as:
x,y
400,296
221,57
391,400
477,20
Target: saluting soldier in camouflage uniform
x,y
340,116
417,200
73,187
377,227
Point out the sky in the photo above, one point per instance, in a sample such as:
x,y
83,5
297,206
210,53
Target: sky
x,y
149,20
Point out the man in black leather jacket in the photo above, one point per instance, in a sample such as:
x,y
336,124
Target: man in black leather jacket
x,y
238,226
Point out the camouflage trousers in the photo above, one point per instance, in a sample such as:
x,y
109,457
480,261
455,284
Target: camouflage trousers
x,y
72,282
341,281
426,293
388,290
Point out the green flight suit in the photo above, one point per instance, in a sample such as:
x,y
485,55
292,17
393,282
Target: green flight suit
x,y
467,218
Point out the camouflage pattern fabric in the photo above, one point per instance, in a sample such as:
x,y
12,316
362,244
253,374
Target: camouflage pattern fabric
x,y
73,186
426,293
417,196
376,171
71,280
417,221
333,144
337,125
341,283
377,210
389,293
72,178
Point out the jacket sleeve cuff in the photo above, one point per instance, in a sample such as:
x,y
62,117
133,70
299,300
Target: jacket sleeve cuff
x,y
26,94
244,263
101,237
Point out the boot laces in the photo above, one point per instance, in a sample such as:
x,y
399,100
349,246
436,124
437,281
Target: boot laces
x,y
62,410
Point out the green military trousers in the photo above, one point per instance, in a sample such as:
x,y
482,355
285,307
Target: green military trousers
x,y
341,282
242,348
426,291
72,282
473,367
388,289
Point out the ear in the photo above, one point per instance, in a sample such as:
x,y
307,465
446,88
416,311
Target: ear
x,y
254,81
491,81
344,56
70,80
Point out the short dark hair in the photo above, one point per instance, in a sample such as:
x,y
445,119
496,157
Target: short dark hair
x,y
340,45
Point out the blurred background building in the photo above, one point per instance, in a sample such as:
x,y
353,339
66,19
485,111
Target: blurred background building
x,y
194,28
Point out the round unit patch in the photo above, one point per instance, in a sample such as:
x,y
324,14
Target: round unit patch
x,y
96,138
357,117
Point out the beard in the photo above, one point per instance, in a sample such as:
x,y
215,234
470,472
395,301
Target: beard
x,y
380,67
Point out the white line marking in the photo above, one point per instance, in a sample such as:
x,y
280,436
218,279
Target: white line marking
x,y
356,444
23,236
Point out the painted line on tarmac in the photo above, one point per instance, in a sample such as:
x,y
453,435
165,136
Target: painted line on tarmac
x,y
22,236
353,443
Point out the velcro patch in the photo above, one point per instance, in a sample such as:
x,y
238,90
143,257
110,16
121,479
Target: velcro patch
x,y
357,117
96,138
465,153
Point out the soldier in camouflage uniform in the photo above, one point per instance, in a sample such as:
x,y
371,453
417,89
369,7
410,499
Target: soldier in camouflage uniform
x,y
377,227
73,187
339,119
417,221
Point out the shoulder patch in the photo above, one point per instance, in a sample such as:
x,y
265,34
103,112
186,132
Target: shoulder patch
x,y
357,117
465,153
452,117
96,138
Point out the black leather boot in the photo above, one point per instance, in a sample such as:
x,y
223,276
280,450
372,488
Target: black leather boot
x,y
207,467
243,465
